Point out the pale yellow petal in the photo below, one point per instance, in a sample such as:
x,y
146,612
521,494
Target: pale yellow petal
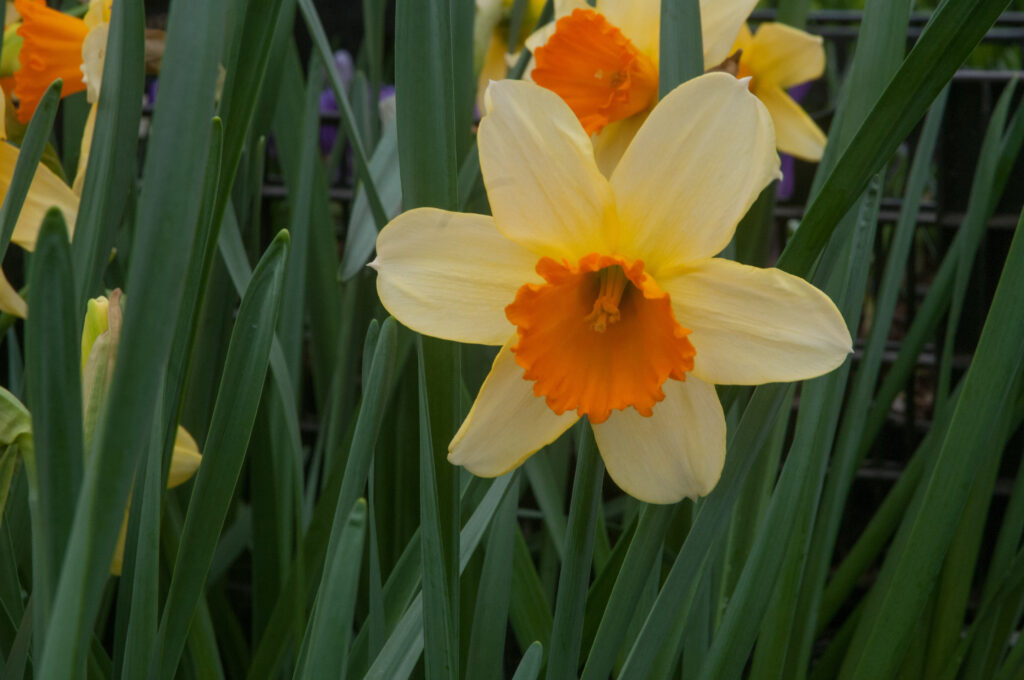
x,y
94,53
785,56
675,453
84,150
694,168
639,20
753,326
185,458
720,23
795,132
614,139
485,20
11,14
451,275
47,190
507,423
543,184
10,301
492,68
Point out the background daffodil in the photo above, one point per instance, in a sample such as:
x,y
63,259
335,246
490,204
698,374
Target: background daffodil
x,y
491,54
101,334
46,190
604,292
775,58
603,61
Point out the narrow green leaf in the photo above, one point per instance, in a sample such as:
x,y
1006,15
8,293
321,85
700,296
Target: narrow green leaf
x,y
330,626
175,160
113,154
643,550
490,615
238,397
361,236
52,371
400,654
529,667
914,560
550,497
684,578
567,633
529,611
681,48
316,30
953,31
440,627
845,458
31,151
944,652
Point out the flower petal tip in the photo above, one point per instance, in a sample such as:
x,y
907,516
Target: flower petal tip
x,y
375,265
745,81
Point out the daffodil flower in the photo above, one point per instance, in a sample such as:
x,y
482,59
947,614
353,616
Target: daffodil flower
x,y
101,334
57,45
490,39
45,191
604,62
604,293
777,57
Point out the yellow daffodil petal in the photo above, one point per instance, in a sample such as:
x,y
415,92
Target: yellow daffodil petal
x,y
720,22
795,132
486,16
507,423
752,326
692,171
10,301
451,275
614,139
84,150
94,51
47,190
545,190
676,453
786,56
184,461
185,458
639,20
493,67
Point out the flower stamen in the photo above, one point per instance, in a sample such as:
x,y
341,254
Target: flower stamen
x,y
606,306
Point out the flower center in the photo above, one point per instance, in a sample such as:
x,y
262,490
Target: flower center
x,y
599,73
606,306
598,336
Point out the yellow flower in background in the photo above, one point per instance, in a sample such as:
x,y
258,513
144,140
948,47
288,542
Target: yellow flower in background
x,y
101,334
775,58
604,293
46,190
603,61
490,39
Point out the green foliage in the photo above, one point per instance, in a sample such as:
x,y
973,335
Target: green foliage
x,y
325,534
